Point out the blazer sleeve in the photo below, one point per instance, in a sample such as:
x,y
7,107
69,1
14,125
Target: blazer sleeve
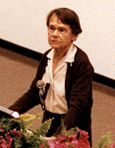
x,y
31,97
27,100
79,94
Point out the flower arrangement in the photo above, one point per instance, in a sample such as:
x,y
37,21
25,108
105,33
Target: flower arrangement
x,y
68,139
15,133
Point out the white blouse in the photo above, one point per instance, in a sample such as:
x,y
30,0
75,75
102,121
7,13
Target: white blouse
x,y
55,101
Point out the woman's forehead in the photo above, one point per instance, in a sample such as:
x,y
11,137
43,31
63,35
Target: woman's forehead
x,y
55,19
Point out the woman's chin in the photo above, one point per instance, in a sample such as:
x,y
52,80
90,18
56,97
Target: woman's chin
x,y
55,46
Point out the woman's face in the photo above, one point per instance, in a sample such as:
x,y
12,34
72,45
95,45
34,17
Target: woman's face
x,y
60,36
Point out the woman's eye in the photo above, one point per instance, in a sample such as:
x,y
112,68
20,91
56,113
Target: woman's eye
x,y
61,29
51,28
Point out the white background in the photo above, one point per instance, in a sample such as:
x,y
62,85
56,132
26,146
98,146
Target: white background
x,y
23,22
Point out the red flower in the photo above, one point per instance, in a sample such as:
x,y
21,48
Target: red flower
x,y
16,133
6,143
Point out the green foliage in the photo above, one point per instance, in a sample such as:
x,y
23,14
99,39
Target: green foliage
x,y
9,124
43,129
16,131
37,137
28,119
105,140
70,132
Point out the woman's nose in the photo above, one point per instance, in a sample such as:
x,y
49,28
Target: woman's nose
x,y
55,32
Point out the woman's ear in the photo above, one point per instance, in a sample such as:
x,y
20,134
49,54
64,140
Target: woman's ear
x,y
74,37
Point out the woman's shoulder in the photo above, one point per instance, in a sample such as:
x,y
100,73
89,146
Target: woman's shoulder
x,y
82,57
81,54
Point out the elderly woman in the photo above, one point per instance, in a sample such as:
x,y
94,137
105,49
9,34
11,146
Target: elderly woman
x,y
66,71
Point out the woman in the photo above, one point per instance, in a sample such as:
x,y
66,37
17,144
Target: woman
x,y
67,69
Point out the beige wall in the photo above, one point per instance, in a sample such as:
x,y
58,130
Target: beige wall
x,y
23,22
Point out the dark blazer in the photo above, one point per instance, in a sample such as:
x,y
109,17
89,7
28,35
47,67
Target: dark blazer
x,y
78,91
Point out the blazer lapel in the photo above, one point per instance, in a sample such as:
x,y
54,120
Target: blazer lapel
x,y
68,80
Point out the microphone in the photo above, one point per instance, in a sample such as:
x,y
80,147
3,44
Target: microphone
x,y
43,88
5,112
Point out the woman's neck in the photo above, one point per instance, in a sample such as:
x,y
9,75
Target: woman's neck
x,y
60,53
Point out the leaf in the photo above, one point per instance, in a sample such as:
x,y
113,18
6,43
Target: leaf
x,y
105,140
28,119
43,129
